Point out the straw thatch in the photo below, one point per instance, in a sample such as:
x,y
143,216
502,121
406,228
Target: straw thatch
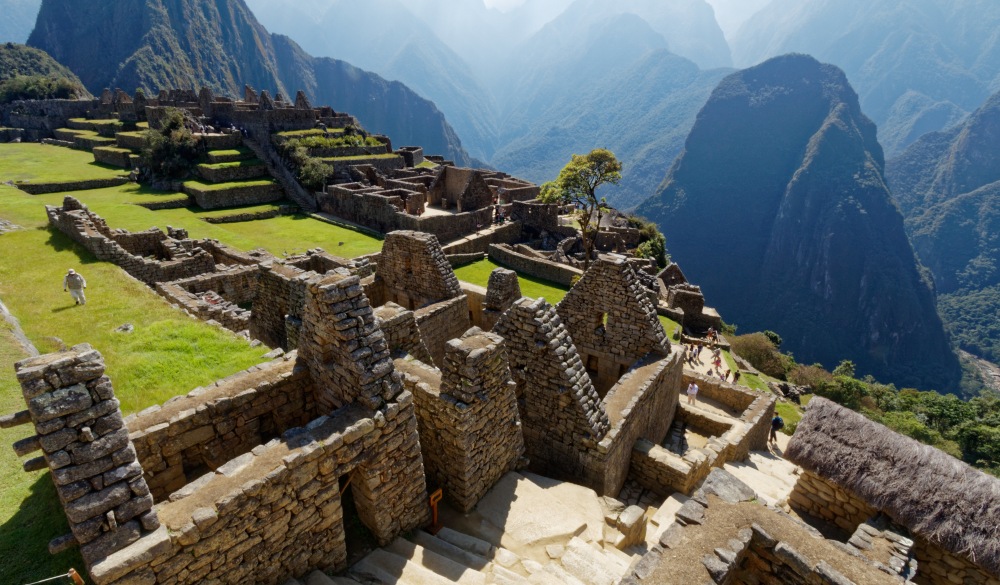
x,y
934,495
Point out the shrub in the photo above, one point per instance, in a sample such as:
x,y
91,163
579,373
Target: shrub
x,y
170,151
757,349
813,376
38,87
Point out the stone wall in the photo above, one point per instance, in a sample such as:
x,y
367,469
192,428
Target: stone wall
x,y
91,232
39,118
470,432
280,295
936,566
502,289
442,322
201,431
537,267
385,214
818,497
641,405
208,197
87,448
275,512
215,296
479,242
561,416
611,320
43,188
236,172
414,270
401,332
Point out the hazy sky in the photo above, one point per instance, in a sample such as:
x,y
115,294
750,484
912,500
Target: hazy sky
x,y
730,13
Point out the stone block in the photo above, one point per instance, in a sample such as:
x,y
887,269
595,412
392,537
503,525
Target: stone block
x,y
62,402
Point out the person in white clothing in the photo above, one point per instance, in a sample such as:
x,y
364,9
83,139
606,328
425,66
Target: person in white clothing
x,y
692,393
75,283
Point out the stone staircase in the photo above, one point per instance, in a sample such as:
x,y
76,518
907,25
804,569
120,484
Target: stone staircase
x,y
456,557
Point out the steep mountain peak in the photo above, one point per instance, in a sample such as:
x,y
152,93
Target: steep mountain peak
x,y
779,209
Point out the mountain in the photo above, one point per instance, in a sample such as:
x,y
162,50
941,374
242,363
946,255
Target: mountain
x,y
947,185
918,65
779,209
22,60
155,44
18,19
402,48
641,112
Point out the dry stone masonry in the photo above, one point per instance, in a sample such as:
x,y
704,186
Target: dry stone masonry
x,y
87,447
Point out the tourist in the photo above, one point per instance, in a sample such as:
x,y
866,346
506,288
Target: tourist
x,y
75,283
692,393
777,423
736,376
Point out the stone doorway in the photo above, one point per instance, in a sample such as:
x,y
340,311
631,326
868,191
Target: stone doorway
x,y
358,537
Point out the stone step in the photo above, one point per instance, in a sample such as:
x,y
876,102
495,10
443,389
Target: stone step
x,y
552,573
502,576
388,569
293,582
590,565
319,578
467,543
342,580
453,571
449,550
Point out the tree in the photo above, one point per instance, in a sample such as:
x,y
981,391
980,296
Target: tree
x,y
577,184
171,151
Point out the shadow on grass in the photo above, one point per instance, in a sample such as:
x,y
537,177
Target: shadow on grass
x,y
24,538
60,242
66,308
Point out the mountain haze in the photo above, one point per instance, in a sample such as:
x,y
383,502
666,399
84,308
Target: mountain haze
x,y
157,44
947,185
918,65
779,209
18,19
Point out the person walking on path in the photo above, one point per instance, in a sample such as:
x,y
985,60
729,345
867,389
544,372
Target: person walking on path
x,y
75,283
777,423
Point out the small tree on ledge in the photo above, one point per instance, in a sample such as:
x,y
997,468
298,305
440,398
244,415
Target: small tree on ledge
x,y
577,184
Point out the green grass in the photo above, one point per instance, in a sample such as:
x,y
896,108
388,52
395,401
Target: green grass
x,y
167,354
670,326
250,162
479,273
359,157
44,163
288,233
309,132
426,164
791,413
203,186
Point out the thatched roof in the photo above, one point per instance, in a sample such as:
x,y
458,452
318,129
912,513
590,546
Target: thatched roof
x,y
934,495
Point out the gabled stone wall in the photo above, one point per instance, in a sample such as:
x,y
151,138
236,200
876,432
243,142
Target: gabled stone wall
x,y
612,321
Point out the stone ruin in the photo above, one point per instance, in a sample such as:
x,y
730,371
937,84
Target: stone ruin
x,y
390,391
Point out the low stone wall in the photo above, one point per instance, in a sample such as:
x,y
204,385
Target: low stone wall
x,y
384,164
83,227
648,413
281,292
199,432
239,172
166,204
11,134
131,140
537,267
275,512
936,566
255,216
479,242
442,322
234,196
348,151
657,469
114,156
43,188
457,260
231,288
823,499
385,214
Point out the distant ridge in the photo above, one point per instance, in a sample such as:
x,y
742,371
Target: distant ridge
x,y
778,207
156,44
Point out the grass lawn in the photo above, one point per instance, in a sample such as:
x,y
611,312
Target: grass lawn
x,y
291,233
479,273
791,412
206,186
44,163
167,354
